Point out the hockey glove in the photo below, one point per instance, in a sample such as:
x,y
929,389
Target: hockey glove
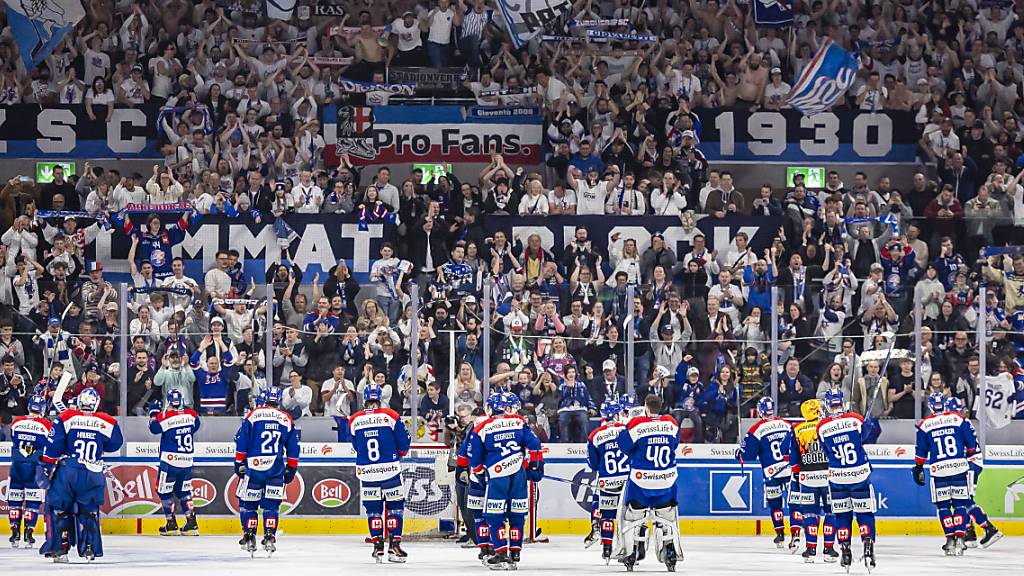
x,y
240,468
289,474
44,474
919,474
739,454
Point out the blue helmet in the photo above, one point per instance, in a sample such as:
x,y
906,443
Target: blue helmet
x,y
626,402
89,400
175,399
261,398
834,400
496,402
766,407
936,402
372,394
954,404
37,404
610,409
512,401
273,396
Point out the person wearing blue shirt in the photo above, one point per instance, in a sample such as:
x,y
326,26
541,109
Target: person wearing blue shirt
x,y
177,426
24,495
769,442
574,407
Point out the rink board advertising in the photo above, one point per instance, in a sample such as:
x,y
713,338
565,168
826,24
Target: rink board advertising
x,y
711,483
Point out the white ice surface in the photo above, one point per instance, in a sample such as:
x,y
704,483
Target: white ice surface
x,y
347,555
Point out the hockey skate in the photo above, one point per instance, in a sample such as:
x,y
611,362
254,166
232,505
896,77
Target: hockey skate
x,y
629,562
395,552
606,553
669,556
170,528
269,544
29,539
992,535
60,558
830,554
248,543
869,554
971,538
513,559
191,527
808,555
467,543
88,554
378,551
485,553
15,537
595,531
498,562
794,544
780,539
846,556
950,546
959,546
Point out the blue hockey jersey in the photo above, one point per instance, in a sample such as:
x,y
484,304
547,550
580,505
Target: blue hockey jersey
x,y
380,440
82,437
650,443
605,458
769,442
156,249
267,441
497,445
945,441
843,442
177,429
28,438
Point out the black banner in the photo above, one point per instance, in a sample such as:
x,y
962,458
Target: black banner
x,y
65,131
429,80
789,137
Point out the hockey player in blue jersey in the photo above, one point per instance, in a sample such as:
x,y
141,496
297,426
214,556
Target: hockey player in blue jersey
x,y
476,490
849,477
73,459
381,441
503,446
24,496
176,426
975,513
266,460
944,441
650,442
769,442
605,458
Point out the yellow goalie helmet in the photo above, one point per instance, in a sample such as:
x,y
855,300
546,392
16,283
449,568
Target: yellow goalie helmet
x,y
811,410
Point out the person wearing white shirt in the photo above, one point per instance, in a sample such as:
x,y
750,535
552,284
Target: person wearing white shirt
x,y
338,394
668,200
592,192
776,91
217,282
561,200
20,239
552,89
386,191
739,256
306,195
684,83
439,22
730,296
534,202
626,199
410,44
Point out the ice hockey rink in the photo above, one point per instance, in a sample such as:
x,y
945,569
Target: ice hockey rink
x,y
314,555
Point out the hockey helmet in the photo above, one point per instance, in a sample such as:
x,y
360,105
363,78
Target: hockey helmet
x,y
175,399
766,407
936,402
610,409
512,402
273,396
496,402
834,400
372,394
89,400
810,409
37,404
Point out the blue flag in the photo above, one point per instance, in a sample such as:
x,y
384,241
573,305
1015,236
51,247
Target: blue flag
x,y
830,73
772,13
40,25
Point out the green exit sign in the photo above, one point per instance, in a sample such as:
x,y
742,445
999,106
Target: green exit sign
x,y
44,171
431,172
813,177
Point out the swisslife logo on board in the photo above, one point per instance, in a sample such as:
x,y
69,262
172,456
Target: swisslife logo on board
x,y
331,493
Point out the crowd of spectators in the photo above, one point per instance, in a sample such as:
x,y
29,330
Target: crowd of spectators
x,y
241,136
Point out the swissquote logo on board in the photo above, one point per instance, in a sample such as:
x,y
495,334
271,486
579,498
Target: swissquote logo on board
x,y
203,492
292,494
331,493
136,495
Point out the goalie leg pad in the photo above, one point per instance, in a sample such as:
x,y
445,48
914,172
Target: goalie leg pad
x,y
88,530
633,516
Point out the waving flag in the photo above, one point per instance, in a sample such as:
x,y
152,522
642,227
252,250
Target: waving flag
x,y
529,18
772,13
830,73
40,25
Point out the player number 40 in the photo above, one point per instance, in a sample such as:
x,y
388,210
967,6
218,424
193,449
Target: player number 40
x,y
660,456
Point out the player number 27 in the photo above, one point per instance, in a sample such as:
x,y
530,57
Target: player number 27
x,y
846,453
269,441
660,456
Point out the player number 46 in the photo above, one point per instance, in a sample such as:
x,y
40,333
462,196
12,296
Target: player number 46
x,y
846,453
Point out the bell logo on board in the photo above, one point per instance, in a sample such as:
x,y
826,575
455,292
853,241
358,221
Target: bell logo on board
x,y
134,494
292,494
203,492
331,493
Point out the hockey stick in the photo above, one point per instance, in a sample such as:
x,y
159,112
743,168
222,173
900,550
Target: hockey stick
x,y
567,481
114,481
